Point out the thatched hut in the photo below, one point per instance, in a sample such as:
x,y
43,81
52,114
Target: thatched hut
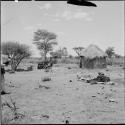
x,y
93,57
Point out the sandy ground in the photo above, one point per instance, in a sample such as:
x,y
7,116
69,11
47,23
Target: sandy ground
x,y
75,101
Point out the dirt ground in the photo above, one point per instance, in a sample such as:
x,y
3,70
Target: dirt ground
x,y
64,97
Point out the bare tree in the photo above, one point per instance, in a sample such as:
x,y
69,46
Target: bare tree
x,y
16,52
44,41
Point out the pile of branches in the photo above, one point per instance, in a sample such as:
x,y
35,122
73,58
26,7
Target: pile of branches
x,y
100,78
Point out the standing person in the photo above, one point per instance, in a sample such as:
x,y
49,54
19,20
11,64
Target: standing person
x,y
2,82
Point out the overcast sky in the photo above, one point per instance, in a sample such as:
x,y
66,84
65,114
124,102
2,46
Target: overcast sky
x,y
74,25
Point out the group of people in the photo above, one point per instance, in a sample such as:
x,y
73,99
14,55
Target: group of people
x,y
5,61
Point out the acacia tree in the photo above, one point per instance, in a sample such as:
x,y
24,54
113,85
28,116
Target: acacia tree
x,y
16,52
78,50
44,41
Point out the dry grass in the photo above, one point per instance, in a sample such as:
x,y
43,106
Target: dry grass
x,y
64,96
16,115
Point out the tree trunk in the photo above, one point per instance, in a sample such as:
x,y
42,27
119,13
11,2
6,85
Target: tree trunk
x,y
13,65
45,58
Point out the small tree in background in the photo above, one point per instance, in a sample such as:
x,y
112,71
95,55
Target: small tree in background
x,y
16,52
110,51
44,41
78,50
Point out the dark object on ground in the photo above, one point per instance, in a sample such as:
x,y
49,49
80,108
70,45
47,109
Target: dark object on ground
x,y
45,116
3,93
46,87
93,96
44,65
102,78
112,100
70,80
81,3
69,68
46,79
67,121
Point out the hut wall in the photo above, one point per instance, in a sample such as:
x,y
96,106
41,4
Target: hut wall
x,y
88,63
100,62
93,63
81,62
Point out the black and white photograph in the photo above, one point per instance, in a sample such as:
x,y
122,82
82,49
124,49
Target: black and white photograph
x,y
62,62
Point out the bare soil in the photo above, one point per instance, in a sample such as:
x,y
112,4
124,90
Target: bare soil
x,y
64,97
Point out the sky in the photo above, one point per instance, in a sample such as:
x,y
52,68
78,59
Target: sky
x,y
74,25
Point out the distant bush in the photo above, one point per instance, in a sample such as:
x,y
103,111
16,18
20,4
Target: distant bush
x,y
68,61
46,79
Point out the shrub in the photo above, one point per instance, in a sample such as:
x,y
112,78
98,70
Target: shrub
x,y
16,52
46,79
